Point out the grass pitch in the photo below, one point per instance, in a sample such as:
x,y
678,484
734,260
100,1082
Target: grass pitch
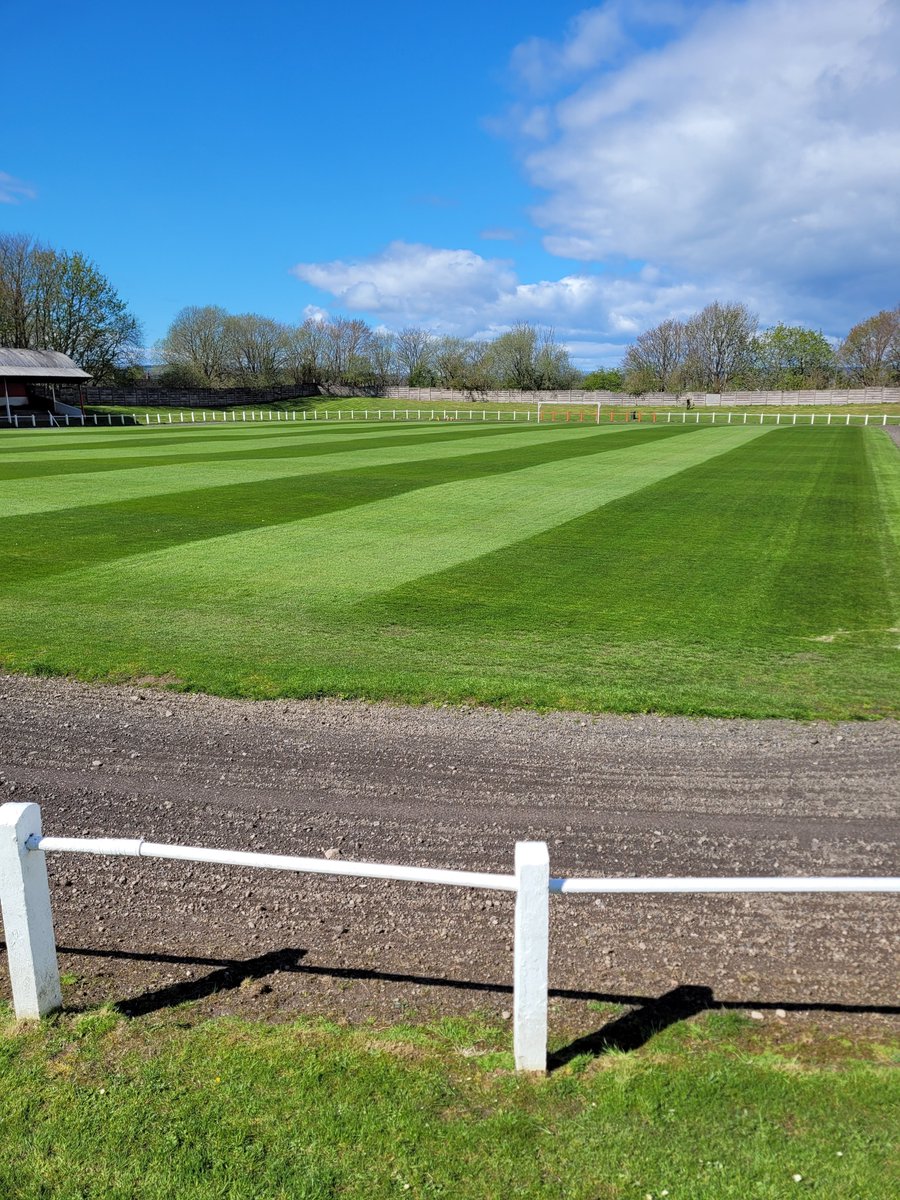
x,y
728,571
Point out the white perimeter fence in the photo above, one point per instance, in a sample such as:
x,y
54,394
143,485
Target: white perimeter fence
x,y
781,399
31,943
546,414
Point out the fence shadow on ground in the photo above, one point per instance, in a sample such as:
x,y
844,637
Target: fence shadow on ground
x,y
647,1015
636,1027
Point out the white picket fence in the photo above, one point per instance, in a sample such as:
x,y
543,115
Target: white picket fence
x,y
31,943
547,413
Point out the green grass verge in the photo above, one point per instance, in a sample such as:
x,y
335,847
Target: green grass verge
x,y
676,569
95,1106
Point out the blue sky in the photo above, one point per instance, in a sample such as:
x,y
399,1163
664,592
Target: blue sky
x,y
466,166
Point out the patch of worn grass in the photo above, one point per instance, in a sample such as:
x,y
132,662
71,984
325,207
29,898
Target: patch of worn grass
x,y
97,1106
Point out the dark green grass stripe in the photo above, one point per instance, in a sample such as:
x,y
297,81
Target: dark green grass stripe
x,y
44,443
779,538
42,544
55,495
305,449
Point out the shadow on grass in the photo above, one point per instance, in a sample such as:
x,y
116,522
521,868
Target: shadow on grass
x,y
647,1015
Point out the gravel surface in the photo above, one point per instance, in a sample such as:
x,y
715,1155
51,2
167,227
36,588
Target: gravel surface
x,y
456,788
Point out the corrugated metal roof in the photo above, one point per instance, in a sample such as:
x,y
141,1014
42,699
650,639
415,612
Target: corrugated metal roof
x,y
38,364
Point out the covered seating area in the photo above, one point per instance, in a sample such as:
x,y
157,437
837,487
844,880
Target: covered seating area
x,y
28,385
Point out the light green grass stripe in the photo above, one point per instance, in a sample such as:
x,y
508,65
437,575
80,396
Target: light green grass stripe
x,y
884,461
54,493
340,557
224,441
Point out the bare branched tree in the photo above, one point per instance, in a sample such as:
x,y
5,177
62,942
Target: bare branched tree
x,y
871,350
256,348
415,353
196,345
656,358
719,345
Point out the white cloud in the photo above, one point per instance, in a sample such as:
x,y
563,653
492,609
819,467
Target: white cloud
x,y
461,292
751,153
761,144
408,281
13,191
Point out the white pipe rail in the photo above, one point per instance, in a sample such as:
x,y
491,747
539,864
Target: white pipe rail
x,y
139,848
31,946
721,885
647,417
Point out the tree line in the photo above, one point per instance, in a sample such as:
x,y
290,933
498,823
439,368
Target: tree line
x,y
209,347
722,349
55,300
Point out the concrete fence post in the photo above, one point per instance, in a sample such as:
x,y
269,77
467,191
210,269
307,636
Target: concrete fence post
x,y
27,919
530,978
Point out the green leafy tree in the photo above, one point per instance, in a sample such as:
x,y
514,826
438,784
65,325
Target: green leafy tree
x,y
604,379
789,357
529,358
53,300
640,380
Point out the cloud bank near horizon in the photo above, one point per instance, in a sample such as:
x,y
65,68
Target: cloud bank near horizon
x,y
737,151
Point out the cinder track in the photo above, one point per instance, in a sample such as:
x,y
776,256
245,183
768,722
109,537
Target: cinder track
x,y
456,788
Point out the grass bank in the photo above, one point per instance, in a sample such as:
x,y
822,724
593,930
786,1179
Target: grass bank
x,y
96,1106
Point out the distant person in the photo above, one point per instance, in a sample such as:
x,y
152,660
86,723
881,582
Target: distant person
x,y
689,404
634,414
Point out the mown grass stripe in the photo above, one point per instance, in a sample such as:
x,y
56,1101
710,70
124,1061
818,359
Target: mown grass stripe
x,y
337,558
663,599
884,465
252,450
43,495
755,584
245,440
767,539
41,544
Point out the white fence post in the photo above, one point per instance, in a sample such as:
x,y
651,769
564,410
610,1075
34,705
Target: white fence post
x,y
532,930
27,919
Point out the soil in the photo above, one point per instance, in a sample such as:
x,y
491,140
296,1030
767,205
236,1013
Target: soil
x,y
456,788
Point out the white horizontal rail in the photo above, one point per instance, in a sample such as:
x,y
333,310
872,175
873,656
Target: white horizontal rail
x,y
688,884
583,413
139,848
28,920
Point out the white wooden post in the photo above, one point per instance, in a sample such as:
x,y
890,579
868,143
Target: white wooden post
x,y
531,955
27,919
